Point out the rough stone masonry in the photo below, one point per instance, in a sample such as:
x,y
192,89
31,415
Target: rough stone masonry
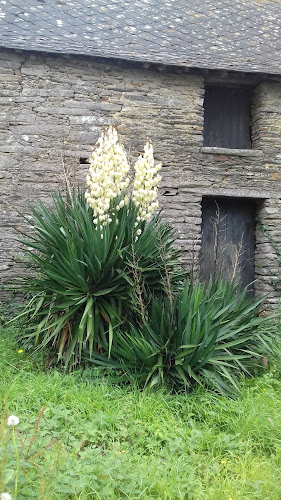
x,y
52,110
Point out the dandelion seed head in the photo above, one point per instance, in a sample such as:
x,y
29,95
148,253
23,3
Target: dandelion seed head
x,y
12,420
5,496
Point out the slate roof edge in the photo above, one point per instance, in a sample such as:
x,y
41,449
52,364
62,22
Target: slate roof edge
x,y
139,61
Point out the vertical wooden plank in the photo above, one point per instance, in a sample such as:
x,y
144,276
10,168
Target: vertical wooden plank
x,y
228,240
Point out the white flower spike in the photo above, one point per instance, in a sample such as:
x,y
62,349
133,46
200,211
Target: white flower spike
x,y
5,496
12,420
145,184
108,174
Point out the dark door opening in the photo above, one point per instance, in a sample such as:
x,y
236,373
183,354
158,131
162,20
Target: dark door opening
x,y
228,240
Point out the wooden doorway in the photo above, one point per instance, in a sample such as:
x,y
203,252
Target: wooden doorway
x,y
228,240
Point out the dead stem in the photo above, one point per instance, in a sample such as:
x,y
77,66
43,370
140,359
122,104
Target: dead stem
x,y
238,255
138,283
167,275
65,173
36,429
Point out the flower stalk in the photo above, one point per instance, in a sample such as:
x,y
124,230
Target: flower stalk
x,y
18,463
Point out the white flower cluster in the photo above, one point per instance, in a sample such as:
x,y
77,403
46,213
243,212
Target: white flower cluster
x,y
108,175
145,184
108,178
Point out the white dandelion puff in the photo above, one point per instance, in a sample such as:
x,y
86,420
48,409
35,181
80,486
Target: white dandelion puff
x,y
12,420
5,496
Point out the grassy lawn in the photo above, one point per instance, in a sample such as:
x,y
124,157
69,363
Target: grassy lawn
x,y
99,441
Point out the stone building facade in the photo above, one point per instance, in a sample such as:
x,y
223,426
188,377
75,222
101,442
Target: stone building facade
x,y
53,107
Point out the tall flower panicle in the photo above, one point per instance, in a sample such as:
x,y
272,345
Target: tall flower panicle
x,y
108,175
145,184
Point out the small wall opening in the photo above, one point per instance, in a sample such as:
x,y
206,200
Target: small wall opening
x,y
84,161
228,240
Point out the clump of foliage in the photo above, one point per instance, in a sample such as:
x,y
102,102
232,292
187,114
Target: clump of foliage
x,y
205,335
92,254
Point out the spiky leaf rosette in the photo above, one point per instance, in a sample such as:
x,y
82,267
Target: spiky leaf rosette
x,y
207,336
84,273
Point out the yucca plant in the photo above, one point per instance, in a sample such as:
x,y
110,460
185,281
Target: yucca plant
x,y
84,275
205,335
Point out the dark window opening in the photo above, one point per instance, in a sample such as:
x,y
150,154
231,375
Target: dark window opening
x,y
84,161
228,240
227,117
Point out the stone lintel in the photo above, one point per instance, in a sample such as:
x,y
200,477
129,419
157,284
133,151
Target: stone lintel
x,y
228,151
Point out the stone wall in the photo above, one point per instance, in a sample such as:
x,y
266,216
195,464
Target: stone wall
x,y
267,137
52,110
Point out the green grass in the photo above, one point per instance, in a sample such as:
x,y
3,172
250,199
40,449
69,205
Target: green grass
x,y
99,441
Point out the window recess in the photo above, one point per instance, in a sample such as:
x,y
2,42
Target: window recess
x,y
227,117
